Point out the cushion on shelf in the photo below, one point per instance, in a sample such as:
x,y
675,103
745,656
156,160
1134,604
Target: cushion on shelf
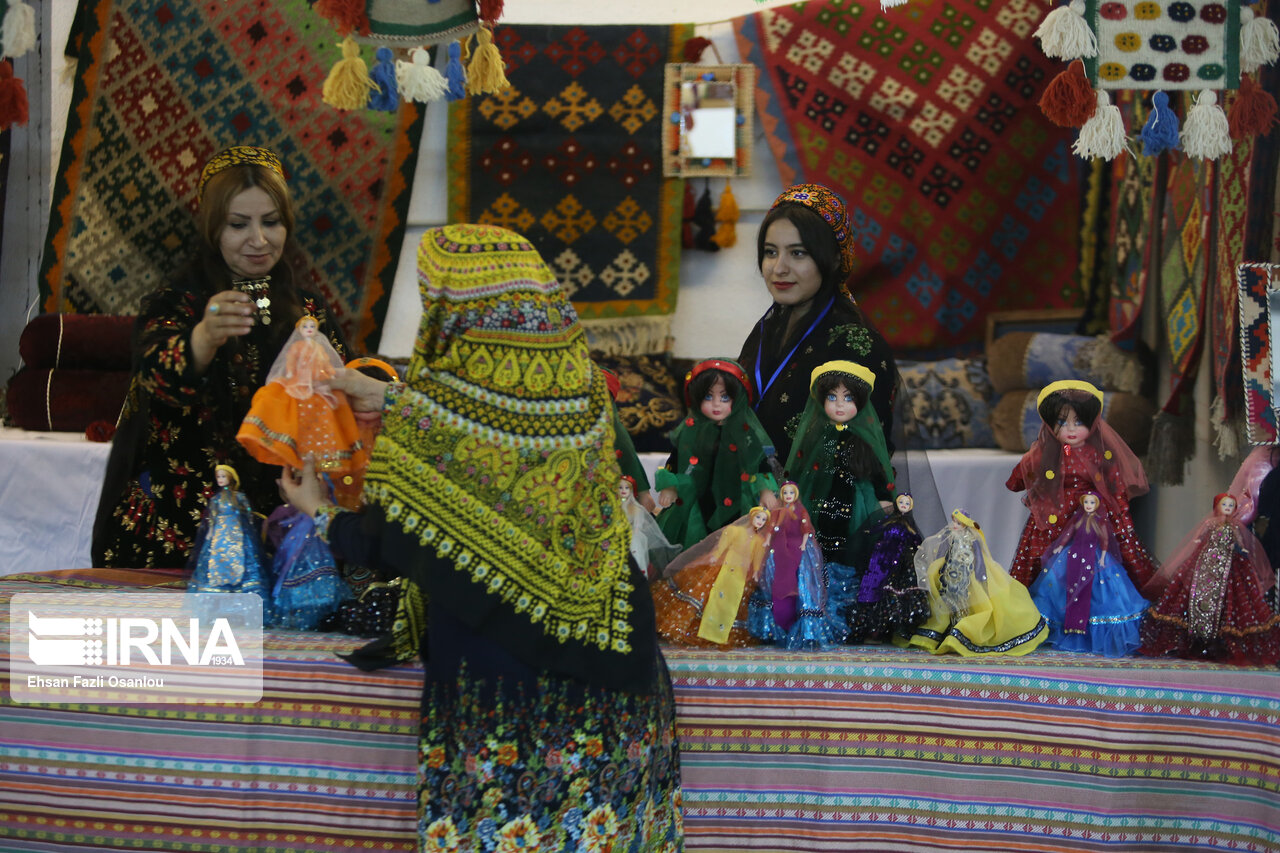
x,y
650,400
951,403
41,398
78,341
1034,359
1016,422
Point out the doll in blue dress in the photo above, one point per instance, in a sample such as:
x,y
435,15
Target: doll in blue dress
x,y
308,585
228,554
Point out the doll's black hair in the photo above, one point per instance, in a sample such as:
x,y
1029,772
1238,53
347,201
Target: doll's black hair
x,y
701,384
1087,407
828,382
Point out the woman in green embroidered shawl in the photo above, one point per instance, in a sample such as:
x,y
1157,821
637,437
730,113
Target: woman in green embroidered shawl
x,y
548,716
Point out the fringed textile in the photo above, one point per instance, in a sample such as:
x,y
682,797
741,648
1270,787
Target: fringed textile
x,y
1226,412
1133,199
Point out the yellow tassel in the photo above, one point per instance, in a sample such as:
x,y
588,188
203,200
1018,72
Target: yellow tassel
x,y
485,73
726,218
348,85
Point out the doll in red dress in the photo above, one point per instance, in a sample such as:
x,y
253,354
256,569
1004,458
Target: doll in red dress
x,y
1077,451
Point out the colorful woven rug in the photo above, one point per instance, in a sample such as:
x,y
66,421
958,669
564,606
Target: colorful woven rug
x,y
963,198
1146,44
163,84
569,156
1226,412
1255,281
1133,197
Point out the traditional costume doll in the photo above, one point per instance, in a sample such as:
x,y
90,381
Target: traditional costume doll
x,y
296,414
703,600
888,601
841,464
975,608
650,548
1084,591
1076,452
720,467
789,607
308,585
1210,597
227,556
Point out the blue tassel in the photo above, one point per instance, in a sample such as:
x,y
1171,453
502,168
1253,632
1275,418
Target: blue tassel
x,y
455,75
383,74
1160,133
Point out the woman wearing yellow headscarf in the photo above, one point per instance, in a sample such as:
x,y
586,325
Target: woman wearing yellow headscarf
x,y
493,487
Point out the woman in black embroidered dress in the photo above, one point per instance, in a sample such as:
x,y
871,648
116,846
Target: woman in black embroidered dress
x,y
202,345
805,253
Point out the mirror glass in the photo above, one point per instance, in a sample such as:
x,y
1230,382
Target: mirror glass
x,y
1259,306
708,132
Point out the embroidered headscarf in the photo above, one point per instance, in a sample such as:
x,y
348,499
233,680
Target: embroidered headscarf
x,y
499,453
828,205
239,155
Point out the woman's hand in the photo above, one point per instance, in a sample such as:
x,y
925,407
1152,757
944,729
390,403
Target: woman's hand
x,y
303,489
666,498
645,499
364,393
769,500
229,314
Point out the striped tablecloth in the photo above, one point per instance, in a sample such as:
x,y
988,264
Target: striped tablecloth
x,y
867,748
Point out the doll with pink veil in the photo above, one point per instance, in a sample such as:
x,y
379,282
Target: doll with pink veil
x,y
1210,597
296,414
1077,451
1084,592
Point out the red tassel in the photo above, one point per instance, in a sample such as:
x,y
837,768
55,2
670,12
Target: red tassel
x,y
347,16
1069,100
491,10
13,98
1253,112
694,48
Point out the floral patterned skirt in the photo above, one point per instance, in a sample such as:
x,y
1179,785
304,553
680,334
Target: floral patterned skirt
x,y
565,769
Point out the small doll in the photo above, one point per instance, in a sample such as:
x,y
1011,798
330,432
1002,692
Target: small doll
x,y
1210,597
975,607
703,600
625,449
720,466
1084,592
789,607
889,601
1076,452
308,585
227,556
347,487
841,464
296,414
649,547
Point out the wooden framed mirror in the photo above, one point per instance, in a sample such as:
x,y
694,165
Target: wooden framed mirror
x,y
708,128
1259,299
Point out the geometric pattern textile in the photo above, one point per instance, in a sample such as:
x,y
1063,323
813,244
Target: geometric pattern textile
x,y
1257,282
570,157
1224,333
963,197
1134,194
161,86
1153,44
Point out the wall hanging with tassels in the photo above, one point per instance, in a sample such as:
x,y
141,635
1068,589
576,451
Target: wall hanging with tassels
x,y
1159,46
404,68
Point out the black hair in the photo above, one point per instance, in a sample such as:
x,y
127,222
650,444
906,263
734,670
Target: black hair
x,y
827,382
1086,406
701,384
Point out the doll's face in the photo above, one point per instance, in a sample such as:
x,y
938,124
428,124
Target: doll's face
x,y
956,523
253,237
905,503
717,404
759,520
222,478
1069,429
1089,503
1227,506
839,405
624,489
789,493
307,327
789,271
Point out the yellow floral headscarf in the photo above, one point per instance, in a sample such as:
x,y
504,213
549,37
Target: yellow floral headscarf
x,y
499,453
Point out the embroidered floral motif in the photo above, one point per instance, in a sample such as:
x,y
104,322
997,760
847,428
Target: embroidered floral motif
x,y
856,338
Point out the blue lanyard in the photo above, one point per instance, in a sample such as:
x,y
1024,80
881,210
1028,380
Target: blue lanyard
x,y
762,388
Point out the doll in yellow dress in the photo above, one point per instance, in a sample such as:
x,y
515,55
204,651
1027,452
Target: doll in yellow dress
x,y
703,600
296,414
975,608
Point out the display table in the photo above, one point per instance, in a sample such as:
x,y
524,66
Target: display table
x,y
870,748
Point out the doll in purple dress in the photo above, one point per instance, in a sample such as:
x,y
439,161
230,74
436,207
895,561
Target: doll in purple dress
x,y
889,600
789,605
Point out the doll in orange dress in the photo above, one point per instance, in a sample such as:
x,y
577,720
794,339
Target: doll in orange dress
x,y
703,600
296,414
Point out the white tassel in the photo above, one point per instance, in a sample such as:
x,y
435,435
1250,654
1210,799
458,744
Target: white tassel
x,y
1065,34
886,5
1103,135
1259,41
19,29
419,80
1205,134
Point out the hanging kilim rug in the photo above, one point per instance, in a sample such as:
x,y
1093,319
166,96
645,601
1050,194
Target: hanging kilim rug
x,y
569,156
161,86
1133,198
963,198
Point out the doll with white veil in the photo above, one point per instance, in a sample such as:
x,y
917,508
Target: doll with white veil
x,y
1210,597
975,607
650,548
297,414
